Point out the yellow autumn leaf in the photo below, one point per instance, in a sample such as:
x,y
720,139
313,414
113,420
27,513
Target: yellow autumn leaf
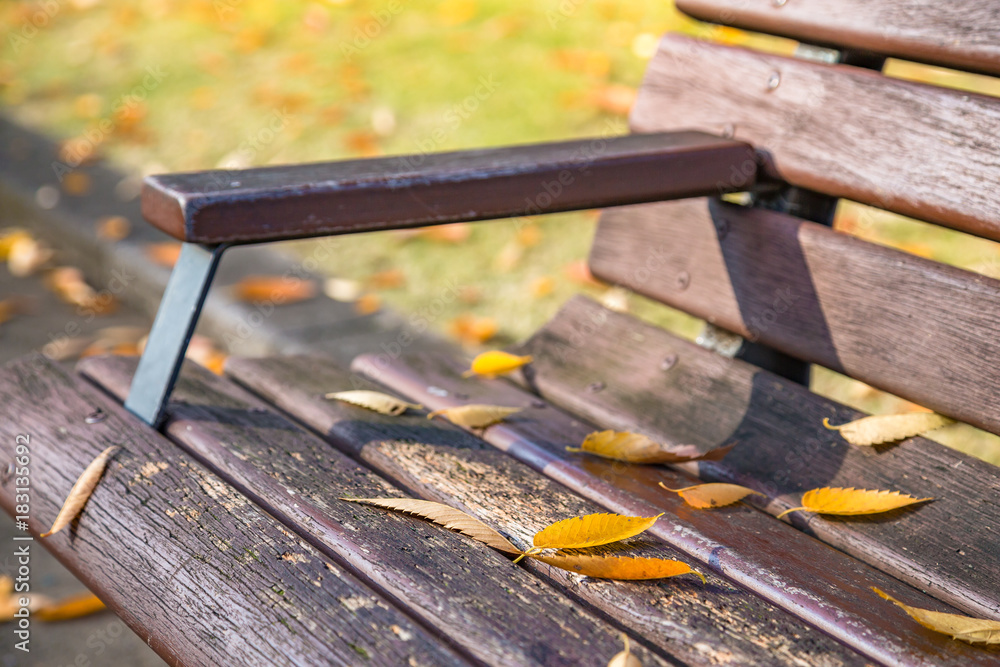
x,y
446,516
706,496
834,500
8,237
475,415
879,429
71,607
276,289
10,602
591,530
81,491
374,400
495,362
625,658
638,448
623,568
964,628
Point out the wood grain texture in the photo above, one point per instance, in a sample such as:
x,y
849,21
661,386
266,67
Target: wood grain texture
x,y
817,583
911,326
681,617
191,565
915,149
471,595
963,34
274,203
946,547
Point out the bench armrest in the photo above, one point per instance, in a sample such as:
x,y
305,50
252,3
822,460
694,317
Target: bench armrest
x,y
351,196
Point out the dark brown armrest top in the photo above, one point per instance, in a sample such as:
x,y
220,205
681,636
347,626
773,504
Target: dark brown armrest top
x,y
296,201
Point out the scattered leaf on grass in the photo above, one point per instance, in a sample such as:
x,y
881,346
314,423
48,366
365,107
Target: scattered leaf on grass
x,y
625,658
879,429
638,448
964,628
274,289
373,400
618,567
707,496
835,500
81,491
71,607
368,304
446,516
495,362
591,530
475,415
390,279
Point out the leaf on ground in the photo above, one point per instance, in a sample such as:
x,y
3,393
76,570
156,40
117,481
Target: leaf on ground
x,y
8,237
707,496
26,256
373,400
70,607
81,491
638,448
113,228
473,330
165,253
12,306
495,362
475,415
446,516
274,289
835,500
879,429
70,285
10,602
625,657
617,567
591,530
964,628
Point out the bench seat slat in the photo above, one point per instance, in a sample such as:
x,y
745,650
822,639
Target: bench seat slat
x,y
692,622
467,592
964,34
191,565
911,326
915,149
825,587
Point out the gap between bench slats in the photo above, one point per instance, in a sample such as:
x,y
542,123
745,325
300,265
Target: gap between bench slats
x,y
947,547
911,326
964,34
469,593
694,622
193,567
915,149
802,575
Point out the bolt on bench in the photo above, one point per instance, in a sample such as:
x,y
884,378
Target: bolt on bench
x,y
217,533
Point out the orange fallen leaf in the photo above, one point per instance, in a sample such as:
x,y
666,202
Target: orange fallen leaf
x,y
8,237
615,98
473,330
963,628
76,183
10,602
69,285
495,362
81,491
529,235
203,352
165,254
578,272
458,232
475,415
274,289
851,501
368,304
879,429
70,607
113,228
390,279
637,448
624,568
705,496
542,287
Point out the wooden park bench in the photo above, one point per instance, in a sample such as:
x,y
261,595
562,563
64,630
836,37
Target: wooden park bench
x,y
219,537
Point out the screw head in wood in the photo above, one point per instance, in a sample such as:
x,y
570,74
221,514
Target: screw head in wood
x,y
96,417
774,80
683,280
669,362
595,387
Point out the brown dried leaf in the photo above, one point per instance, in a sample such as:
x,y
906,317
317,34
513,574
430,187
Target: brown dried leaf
x,y
625,658
879,429
851,501
638,448
81,491
373,400
707,496
475,415
964,628
623,568
496,362
449,517
591,530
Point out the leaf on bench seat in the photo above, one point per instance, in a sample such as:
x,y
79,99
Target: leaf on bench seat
x,y
373,400
716,494
446,516
638,448
834,500
964,628
879,429
495,362
591,530
625,568
475,415
81,491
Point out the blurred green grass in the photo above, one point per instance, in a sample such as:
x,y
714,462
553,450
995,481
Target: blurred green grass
x,y
248,82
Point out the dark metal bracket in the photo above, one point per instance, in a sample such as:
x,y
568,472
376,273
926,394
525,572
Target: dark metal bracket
x,y
172,329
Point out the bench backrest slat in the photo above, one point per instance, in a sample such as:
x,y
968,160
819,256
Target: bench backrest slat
x,y
964,34
915,149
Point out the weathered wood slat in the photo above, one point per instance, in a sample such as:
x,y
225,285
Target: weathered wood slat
x,y
963,34
916,149
351,196
191,565
947,547
471,594
692,622
815,582
911,326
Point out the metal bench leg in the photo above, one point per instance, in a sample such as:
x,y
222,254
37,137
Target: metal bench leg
x,y
168,340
